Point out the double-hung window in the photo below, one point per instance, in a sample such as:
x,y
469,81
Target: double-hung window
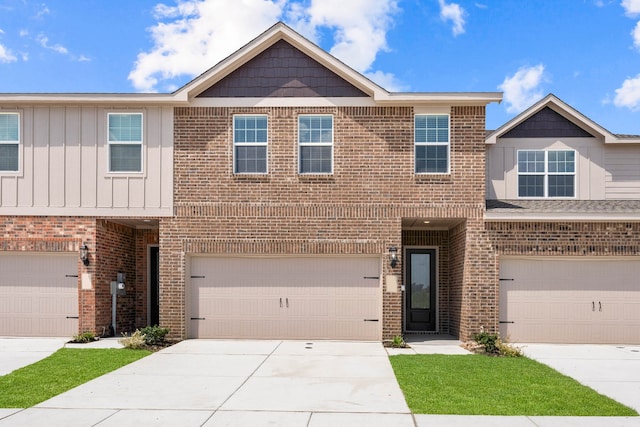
x,y
431,139
9,142
250,144
543,173
315,142
125,142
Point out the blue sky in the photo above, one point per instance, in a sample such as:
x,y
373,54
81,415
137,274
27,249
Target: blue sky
x,y
587,52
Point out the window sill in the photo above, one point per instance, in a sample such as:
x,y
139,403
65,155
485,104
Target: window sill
x,y
313,177
433,178
251,177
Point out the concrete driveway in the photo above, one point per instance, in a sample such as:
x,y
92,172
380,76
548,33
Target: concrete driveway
x,y
608,369
301,384
220,383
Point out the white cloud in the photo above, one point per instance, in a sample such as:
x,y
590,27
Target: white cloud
x,y
194,35
387,81
58,48
523,88
628,95
636,36
360,27
631,7
455,13
6,55
197,35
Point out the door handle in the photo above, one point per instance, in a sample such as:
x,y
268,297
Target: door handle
x,y
280,302
599,305
287,302
593,306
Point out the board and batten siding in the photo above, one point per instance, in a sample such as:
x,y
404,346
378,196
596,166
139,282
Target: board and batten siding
x,y
622,178
64,165
502,165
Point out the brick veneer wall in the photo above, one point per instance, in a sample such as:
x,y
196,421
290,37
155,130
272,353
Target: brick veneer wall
x,y
115,252
565,238
358,209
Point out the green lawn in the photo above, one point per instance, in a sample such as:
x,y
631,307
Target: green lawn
x,y
63,370
483,385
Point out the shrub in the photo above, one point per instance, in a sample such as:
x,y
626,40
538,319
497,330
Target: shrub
x,y
154,335
135,341
494,345
508,350
398,342
84,337
488,342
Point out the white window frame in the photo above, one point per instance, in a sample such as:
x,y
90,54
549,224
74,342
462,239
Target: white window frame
x,y
250,144
432,144
316,144
17,142
546,174
140,143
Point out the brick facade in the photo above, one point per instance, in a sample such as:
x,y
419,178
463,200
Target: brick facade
x,y
565,238
356,210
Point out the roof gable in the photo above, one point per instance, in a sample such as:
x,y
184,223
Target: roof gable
x,y
546,123
554,118
282,71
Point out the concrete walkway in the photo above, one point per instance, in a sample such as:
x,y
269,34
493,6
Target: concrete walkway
x,y
261,383
18,352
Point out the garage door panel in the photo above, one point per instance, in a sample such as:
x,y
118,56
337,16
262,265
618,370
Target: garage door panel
x,y
570,300
284,297
38,294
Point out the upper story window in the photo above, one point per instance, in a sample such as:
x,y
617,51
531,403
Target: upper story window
x,y
250,144
431,138
544,173
9,142
315,142
125,142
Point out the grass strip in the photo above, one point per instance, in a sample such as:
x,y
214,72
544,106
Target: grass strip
x,y
482,385
62,371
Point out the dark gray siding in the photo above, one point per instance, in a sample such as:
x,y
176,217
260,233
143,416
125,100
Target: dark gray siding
x,y
546,124
282,71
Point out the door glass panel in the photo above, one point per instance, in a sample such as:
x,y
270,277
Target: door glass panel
x,y
420,281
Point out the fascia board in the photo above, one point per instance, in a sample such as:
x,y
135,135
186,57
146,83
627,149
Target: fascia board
x,y
448,98
559,216
88,98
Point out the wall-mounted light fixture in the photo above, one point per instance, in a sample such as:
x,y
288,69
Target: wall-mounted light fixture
x,y
84,254
393,252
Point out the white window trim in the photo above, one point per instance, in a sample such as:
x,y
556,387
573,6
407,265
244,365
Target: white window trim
x,y
317,144
140,143
18,142
546,174
249,144
431,144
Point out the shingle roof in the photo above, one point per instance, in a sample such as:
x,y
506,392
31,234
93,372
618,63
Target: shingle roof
x,y
564,206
